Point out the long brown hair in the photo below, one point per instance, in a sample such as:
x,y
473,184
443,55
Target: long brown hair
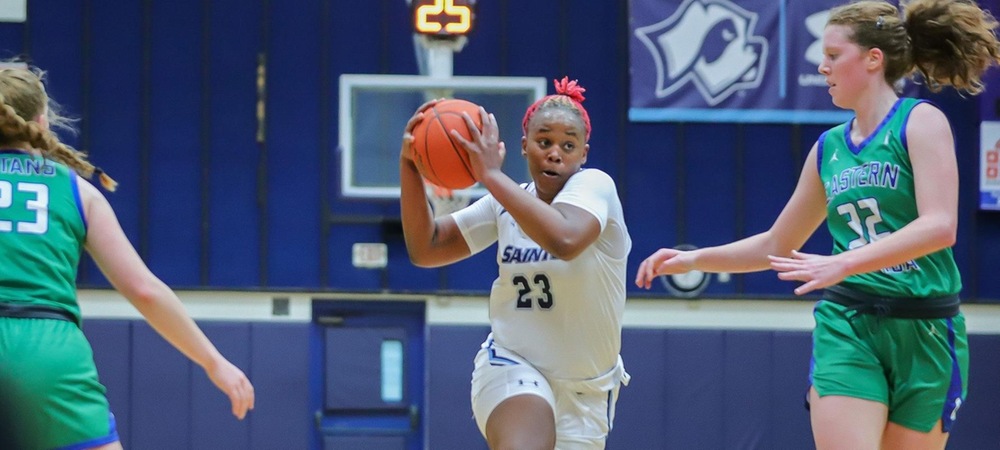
x,y
948,42
22,100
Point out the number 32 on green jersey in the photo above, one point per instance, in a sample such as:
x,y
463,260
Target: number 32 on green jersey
x,y
866,229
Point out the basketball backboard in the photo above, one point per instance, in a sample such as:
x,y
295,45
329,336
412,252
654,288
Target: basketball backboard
x,y
374,110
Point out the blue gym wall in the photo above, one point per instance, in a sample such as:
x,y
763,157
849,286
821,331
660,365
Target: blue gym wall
x,y
166,93
691,389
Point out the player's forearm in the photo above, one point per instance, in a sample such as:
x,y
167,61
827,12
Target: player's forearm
x,y
417,221
921,237
430,241
745,255
166,314
540,221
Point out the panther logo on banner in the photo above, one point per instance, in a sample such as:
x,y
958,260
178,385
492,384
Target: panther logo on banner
x,y
710,43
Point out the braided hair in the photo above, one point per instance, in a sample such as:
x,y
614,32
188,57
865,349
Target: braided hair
x,y
22,100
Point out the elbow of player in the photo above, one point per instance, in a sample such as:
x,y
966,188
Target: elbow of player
x,y
943,234
422,259
416,258
144,293
421,262
416,253
566,251
948,236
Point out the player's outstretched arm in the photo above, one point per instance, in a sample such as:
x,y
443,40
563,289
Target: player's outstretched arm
x,y
118,260
804,212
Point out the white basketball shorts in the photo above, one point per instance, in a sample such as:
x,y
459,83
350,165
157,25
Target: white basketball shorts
x,y
584,409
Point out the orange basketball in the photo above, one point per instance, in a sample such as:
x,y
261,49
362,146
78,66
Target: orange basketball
x,y
438,156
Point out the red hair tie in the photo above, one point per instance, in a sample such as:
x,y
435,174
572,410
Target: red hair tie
x,y
564,87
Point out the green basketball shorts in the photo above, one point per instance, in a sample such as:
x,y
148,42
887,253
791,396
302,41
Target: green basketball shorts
x,y
917,367
50,387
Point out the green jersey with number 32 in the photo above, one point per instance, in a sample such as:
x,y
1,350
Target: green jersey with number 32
x,y
870,194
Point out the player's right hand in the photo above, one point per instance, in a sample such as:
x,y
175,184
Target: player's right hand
x,y
406,152
665,261
234,383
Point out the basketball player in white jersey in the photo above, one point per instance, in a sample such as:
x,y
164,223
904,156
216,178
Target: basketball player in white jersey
x,y
548,374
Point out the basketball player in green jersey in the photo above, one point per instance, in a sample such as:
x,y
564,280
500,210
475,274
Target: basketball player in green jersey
x,y
48,215
890,354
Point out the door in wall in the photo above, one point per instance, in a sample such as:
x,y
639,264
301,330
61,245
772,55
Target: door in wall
x,y
370,364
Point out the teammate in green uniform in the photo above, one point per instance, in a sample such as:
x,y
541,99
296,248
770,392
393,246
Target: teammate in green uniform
x,y
49,214
890,355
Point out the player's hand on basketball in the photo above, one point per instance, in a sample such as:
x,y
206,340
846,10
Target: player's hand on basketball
x,y
234,383
665,261
406,152
815,271
486,152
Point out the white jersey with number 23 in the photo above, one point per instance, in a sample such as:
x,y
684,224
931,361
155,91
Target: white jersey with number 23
x,y
564,317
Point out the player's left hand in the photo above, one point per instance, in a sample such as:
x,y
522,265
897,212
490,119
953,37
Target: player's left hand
x,y
815,271
486,151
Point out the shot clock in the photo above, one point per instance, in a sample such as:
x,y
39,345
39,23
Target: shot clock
x,y
443,18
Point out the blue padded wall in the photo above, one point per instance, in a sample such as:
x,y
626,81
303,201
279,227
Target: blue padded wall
x,y
113,129
977,419
163,401
450,351
769,171
279,370
111,341
232,150
175,103
789,421
212,424
160,401
691,389
698,389
293,220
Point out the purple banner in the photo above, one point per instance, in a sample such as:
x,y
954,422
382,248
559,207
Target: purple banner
x,y
719,61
